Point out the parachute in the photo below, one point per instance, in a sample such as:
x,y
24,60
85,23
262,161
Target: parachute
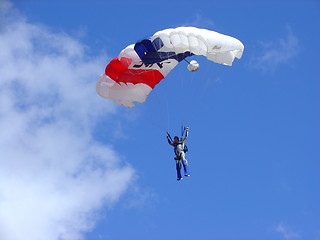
x,y
132,75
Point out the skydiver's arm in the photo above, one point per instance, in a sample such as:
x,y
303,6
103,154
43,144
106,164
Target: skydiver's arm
x,y
170,142
187,134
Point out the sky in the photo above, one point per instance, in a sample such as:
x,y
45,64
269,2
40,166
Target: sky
x,y
75,166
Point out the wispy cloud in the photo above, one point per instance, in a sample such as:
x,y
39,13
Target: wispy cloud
x,y
54,175
286,231
276,52
198,20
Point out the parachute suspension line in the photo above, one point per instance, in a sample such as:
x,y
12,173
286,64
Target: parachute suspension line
x,y
207,82
182,130
163,106
197,85
159,118
183,91
168,134
187,61
168,113
194,85
188,92
153,123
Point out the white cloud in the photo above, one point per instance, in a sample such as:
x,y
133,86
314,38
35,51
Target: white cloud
x,y
276,52
199,20
286,232
54,176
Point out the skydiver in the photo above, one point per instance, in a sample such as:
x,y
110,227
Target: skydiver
x,y
180,156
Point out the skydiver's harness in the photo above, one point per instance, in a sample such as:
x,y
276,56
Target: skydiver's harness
x,y
178,154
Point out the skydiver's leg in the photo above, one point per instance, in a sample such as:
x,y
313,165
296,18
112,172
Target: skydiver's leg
x,y
185,164
178,167
185,167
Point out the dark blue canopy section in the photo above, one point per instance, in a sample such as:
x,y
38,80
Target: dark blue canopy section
x,y
148,52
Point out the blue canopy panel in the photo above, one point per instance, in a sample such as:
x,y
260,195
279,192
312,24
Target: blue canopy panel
x,y
148,52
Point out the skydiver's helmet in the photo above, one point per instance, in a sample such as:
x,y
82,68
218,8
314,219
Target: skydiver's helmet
x,y
176,139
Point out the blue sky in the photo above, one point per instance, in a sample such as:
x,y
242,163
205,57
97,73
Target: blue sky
x,y
77,166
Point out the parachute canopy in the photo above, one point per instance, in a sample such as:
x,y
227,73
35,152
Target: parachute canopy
x,y
140,67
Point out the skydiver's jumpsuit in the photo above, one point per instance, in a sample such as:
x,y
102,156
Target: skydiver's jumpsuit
x,y
180,157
